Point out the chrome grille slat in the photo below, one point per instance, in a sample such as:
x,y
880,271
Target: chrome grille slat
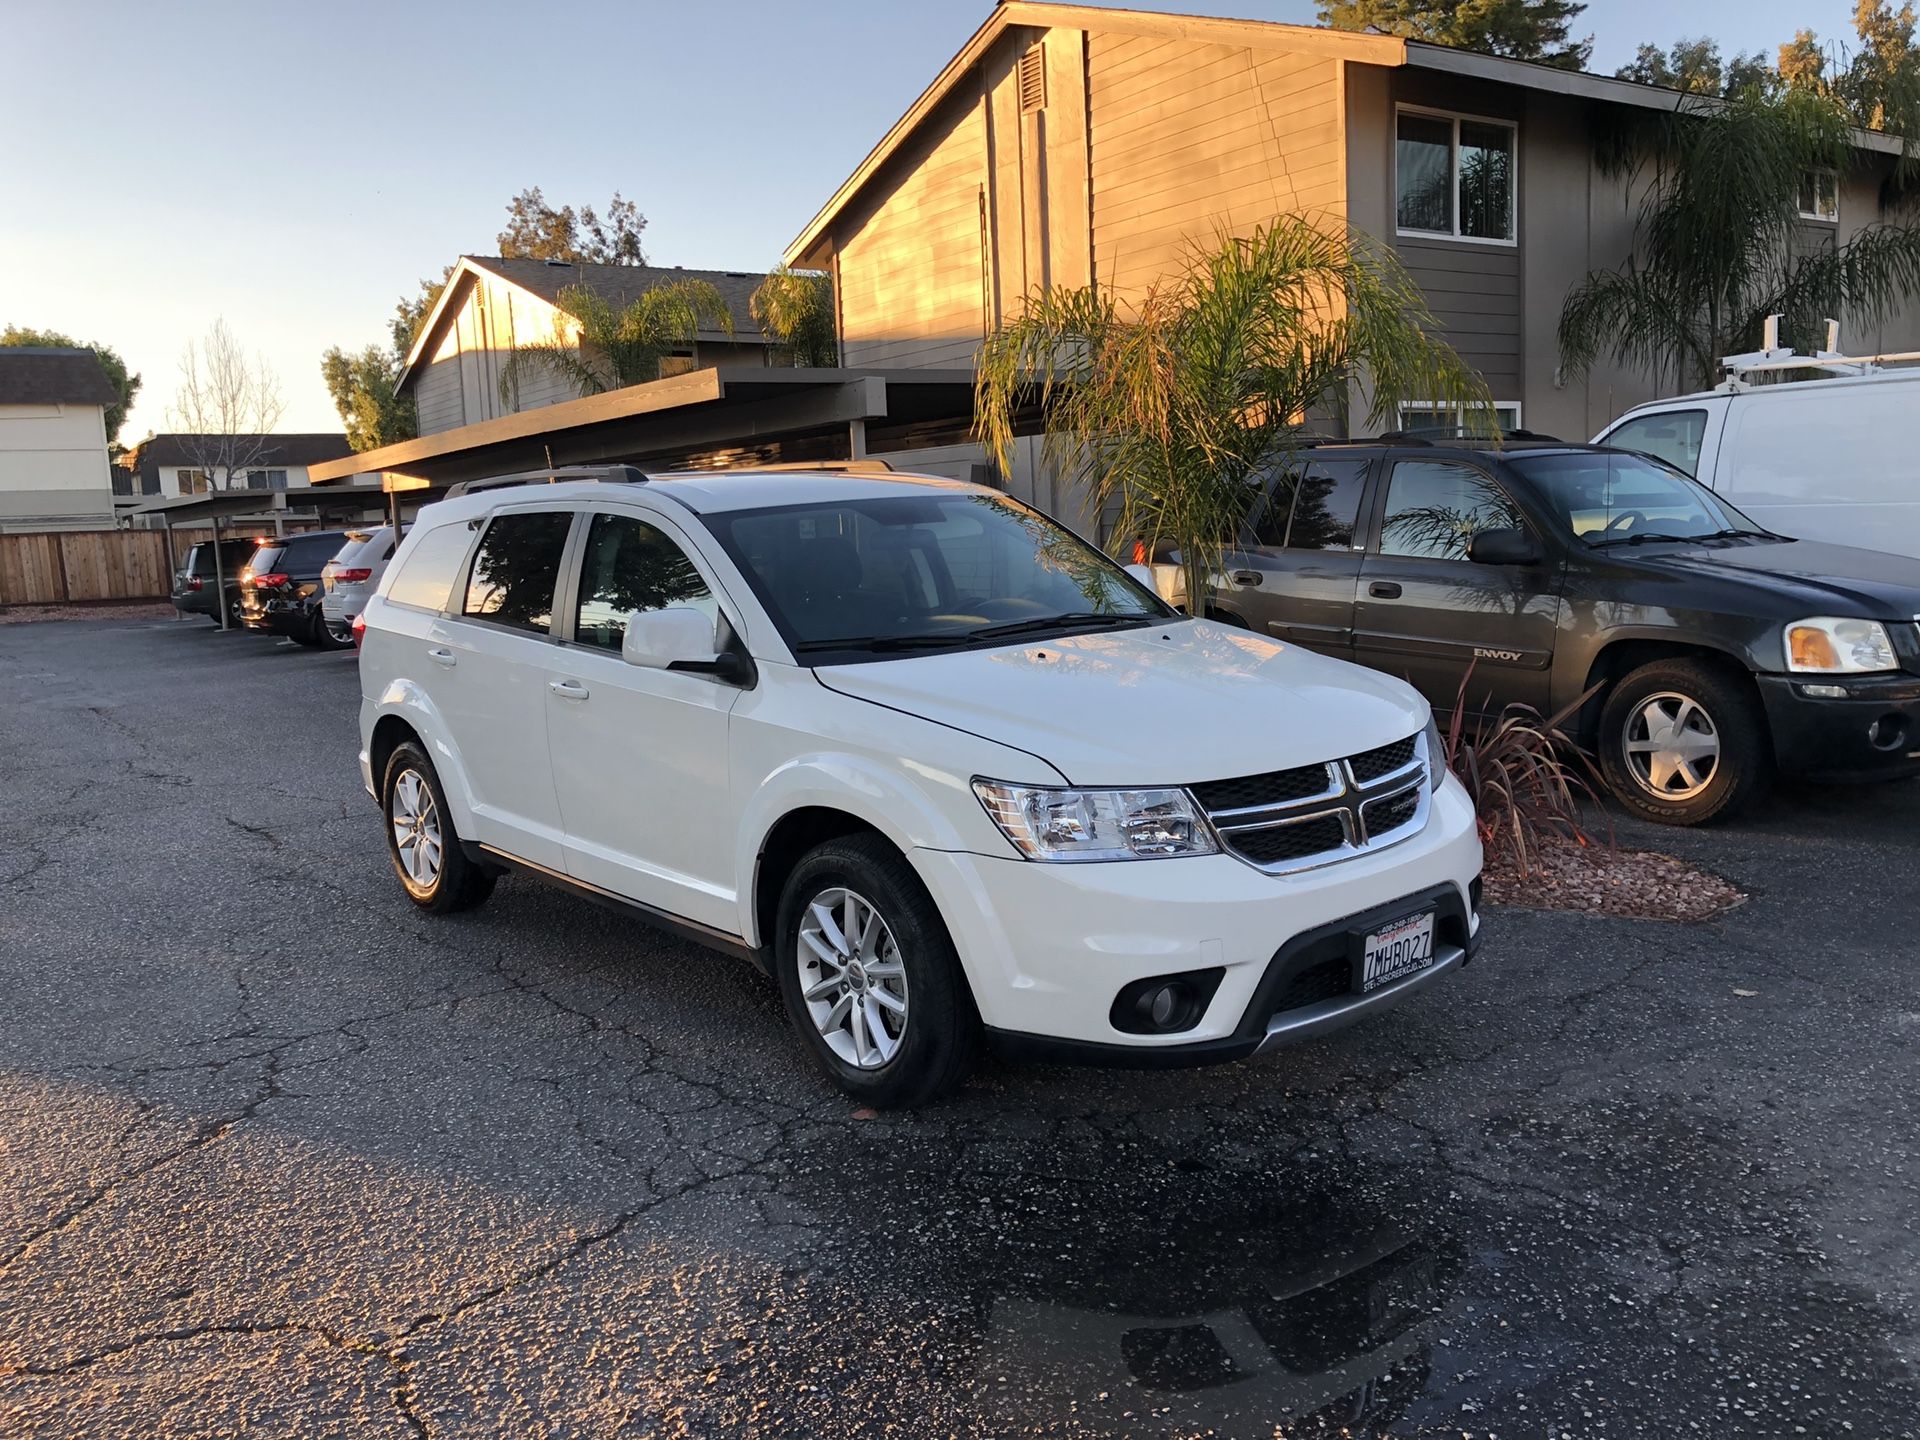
x,y
1372,808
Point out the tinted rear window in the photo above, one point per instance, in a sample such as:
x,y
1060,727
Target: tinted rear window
x,y
265,558
516,567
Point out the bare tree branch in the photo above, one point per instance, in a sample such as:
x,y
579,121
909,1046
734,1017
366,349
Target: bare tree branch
x,y
226,408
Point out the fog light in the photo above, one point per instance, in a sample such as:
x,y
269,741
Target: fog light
x,y
1164,1004
1889,732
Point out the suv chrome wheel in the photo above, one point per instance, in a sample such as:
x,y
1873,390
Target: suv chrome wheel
x,y
852,978
1672,746
416,828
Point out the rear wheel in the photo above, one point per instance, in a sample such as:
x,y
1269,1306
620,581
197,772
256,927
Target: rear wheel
x,y
870,976
1683,742
425,849
323,635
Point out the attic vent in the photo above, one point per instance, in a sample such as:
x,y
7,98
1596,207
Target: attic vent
x,y
561,264
1033,80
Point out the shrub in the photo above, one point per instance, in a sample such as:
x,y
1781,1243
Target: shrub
x,y
1524,773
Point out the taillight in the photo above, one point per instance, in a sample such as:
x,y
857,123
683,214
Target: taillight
x,y
359,630
272,580
352,577
193,583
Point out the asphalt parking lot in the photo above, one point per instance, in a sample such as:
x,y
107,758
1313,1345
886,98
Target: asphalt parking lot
x,y
282,1157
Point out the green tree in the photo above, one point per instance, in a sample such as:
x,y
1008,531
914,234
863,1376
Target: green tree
x,y
1877,84
537,231
1713,248
126,383
362,387
795,310
1696,67
1517,29
613,347
1170,411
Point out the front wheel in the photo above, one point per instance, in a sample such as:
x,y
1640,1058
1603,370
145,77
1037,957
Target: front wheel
x,y
1682,742
870,976
421,842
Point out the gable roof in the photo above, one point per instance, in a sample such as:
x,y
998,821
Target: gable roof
x,y
284,452
1365,47
544,280
44,375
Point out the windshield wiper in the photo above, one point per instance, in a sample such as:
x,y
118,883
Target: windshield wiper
x,y
1741,533
1645,538
1102,618
886,642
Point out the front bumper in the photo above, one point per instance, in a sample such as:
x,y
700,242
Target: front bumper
x,y
1047,947
1871,734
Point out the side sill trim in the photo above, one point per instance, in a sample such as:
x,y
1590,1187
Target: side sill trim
x,y
676,925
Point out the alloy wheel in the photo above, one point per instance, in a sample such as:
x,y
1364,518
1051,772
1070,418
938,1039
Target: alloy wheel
x,y
416,828
1672,746
852,978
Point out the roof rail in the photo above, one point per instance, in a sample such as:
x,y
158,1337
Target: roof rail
x,y
556,475
830,467
1774,359
1441,434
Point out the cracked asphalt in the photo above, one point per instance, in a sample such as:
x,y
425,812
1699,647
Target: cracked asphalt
x,y
282,1157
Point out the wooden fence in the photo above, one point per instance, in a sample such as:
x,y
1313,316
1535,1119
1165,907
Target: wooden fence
x,y
75,566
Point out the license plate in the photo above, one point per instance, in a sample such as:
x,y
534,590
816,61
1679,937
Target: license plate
x,y
1401,949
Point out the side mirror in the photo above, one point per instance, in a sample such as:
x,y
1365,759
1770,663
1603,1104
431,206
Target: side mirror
x,y
1140,573
658,639
1503,547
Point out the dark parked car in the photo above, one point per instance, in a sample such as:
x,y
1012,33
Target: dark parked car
x,y
196,586
1722,650
281,589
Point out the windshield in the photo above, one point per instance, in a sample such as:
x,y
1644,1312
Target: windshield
x,y
1610,497
906,572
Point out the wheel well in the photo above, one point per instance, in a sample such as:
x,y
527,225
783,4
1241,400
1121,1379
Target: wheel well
x,y
796,832
1623,657
389,733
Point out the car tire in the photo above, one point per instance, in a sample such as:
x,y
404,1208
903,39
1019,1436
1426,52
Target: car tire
x,y
323,636
906,977
434,869
1717,754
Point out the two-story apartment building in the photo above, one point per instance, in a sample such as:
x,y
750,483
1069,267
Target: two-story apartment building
x,y
170,465
54,473
1066,144
491,307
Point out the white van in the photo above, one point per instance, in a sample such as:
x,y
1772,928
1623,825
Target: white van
x,y
1835,460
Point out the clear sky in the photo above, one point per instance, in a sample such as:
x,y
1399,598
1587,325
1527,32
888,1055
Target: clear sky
x,y
295,166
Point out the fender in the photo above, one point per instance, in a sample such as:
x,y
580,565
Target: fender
x,y
1575,656
871,791
405,699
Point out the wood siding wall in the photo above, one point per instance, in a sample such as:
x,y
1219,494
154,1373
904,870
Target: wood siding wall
x,y
57,568
913,282
1474,292
1189,139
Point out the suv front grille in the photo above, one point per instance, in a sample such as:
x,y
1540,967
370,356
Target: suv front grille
x,y
1295,819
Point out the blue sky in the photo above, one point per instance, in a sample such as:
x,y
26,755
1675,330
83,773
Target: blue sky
x,y
295,167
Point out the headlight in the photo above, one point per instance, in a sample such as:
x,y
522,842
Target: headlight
x,y
1046,824
1436,754
1829,646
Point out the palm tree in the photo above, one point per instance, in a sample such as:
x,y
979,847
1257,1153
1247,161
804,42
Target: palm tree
x,y
795,309
611,348
1718,247
1170,412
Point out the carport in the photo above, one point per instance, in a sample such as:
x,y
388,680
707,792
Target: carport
x,y
705,419
334,502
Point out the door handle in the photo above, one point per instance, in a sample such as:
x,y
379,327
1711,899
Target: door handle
x,y
1246,577
568,689
443,657
1384,590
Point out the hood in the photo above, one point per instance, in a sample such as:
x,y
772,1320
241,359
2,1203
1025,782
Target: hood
x,y
1162,705
1872,583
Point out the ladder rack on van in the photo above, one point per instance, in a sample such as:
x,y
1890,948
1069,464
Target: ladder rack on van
x,y
1772,359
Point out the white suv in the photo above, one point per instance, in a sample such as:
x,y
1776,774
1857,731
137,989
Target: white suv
x,y
940,767
351,576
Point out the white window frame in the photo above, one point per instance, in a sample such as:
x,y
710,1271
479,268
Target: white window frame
x,y
1442,407
1513,177
1817,174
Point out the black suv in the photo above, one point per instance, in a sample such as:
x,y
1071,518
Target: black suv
x,y
197,589
281,589
1722,650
